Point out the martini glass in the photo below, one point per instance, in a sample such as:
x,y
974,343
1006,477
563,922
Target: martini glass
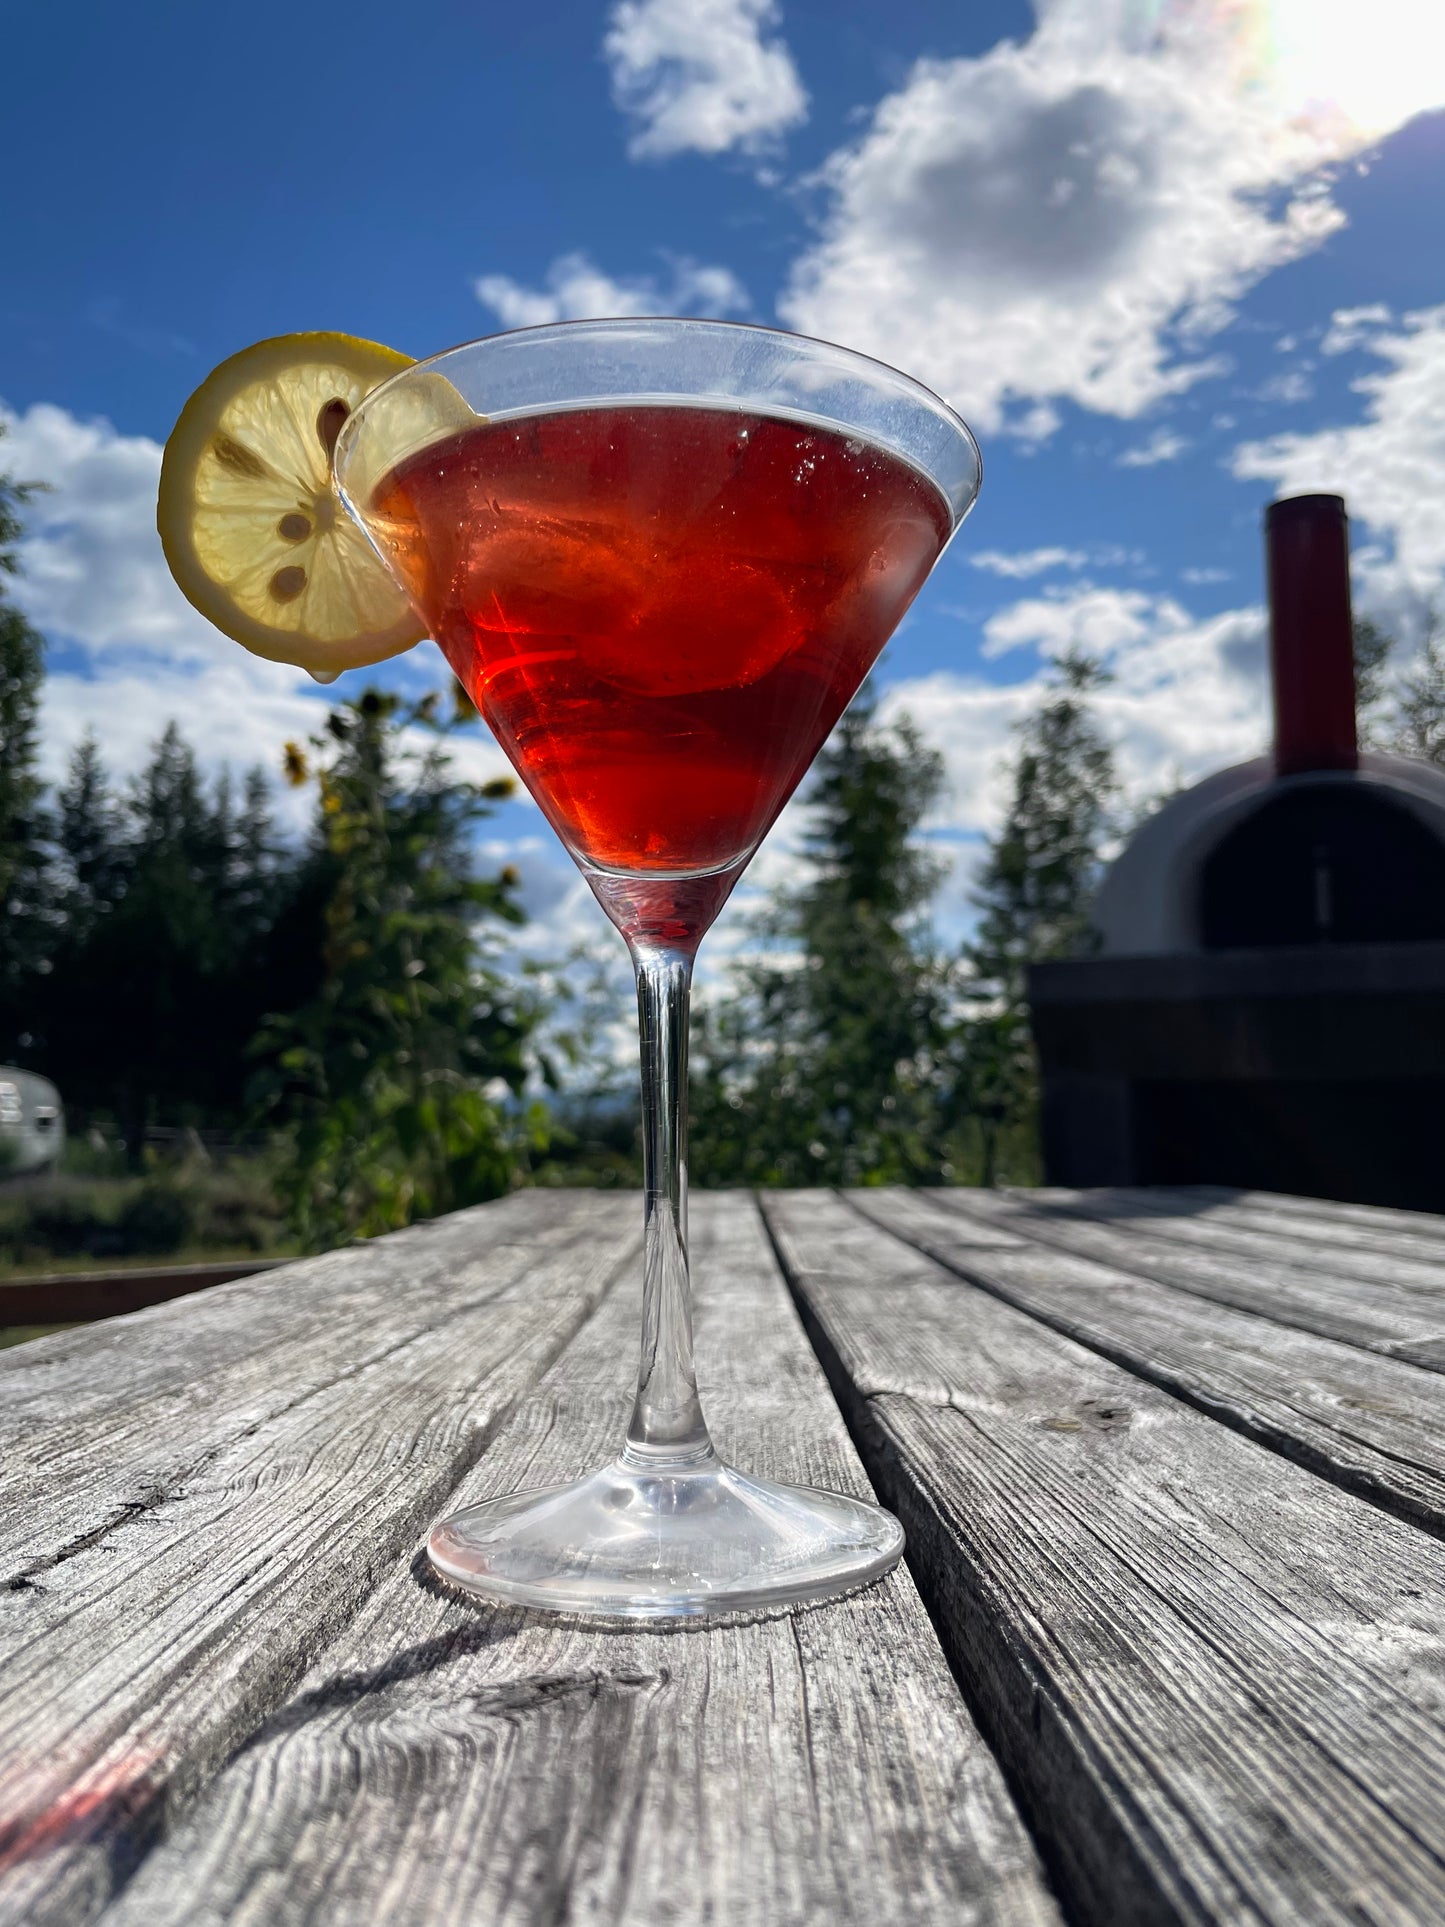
x,y
661,556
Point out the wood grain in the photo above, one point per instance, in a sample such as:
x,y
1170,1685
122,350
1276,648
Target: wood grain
x,y
1371,1424
265,1314
272,1491
1316,1216
1385,1318
100,1421
455,1764
1216,1679
1361,1263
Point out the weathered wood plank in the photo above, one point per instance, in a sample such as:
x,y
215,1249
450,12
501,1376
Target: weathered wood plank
x,y
1378,1318
99,1422
1364,1227
453,1764
1423,1278
1216,1679
1371,1424
1371,1218
136,1657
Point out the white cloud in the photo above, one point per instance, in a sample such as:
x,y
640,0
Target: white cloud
x,y
699,76
1027,562
1352,328
1096,621
577,290
1389,466
1164,445
970,722
1292,386
93,577
238,713
1070,217
93,568
235,711
1186,697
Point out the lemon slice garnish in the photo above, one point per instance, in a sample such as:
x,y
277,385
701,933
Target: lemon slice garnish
x,y
252,526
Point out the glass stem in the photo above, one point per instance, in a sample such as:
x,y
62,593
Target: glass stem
x,y
667,1423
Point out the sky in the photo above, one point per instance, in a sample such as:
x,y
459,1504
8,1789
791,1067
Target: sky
x,y
1169,257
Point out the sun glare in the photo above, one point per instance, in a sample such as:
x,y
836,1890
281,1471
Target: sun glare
x,y
1376,62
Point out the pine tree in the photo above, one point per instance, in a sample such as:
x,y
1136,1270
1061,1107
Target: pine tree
x,y
822,1067
136,1006
90,843
1420,712
1034,894
387,1077
175,933
1043,866
23,855
1373,647
79,1037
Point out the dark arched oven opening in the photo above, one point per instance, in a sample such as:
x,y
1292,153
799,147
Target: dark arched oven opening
x,y
1332,863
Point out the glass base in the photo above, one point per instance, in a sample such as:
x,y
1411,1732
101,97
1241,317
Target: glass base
x,y
635,1541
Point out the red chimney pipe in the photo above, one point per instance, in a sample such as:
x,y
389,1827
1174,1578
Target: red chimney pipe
x,y
1311,636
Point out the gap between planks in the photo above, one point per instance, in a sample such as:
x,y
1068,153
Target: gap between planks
x,y
1381,1225
1371,1424
1413,1265
1383,1315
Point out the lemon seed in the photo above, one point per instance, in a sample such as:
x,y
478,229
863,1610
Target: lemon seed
x,y
230,454
295,528
287,584
329,422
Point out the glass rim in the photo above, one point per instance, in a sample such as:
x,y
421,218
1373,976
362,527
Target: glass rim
x,y
872,364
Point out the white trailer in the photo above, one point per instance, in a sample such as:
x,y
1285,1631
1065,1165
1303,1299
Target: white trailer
x,y
32,1123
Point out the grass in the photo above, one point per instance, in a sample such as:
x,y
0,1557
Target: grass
x,y
173,1213
22,1334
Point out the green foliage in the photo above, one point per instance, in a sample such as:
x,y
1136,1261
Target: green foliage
x,y
1043,864
158,1217
388,1077
1034,896
180,929
1405,714
176,1206
996,1093
23,908
585,1047
176,929
825,1065
1373,647
593,1140
1420,719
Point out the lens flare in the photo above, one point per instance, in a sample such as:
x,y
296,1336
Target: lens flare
x,y
1377,64
1364,67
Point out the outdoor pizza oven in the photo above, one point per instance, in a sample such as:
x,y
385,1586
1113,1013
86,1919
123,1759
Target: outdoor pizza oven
x,y
1268,1004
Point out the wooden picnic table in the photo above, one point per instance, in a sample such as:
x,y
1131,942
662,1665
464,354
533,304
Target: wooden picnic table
x,y
1168,1646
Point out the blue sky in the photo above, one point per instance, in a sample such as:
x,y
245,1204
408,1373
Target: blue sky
x,y
1169,256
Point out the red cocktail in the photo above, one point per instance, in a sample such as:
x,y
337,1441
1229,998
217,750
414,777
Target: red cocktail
x,y
661,610
662,556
